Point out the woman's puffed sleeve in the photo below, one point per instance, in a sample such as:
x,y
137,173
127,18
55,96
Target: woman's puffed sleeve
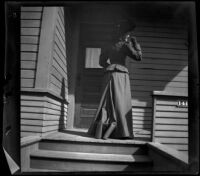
x,y
103,58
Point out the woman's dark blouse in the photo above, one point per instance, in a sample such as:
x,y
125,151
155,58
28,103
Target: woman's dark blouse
x,y
113,58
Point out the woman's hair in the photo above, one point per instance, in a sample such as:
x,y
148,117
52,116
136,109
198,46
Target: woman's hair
x,y
122,27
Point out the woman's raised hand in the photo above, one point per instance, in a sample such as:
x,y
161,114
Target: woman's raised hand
x,y
133,40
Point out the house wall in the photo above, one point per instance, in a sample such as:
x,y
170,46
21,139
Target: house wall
x,y
164,67
31,18
170,121
164,42
44,102
59,75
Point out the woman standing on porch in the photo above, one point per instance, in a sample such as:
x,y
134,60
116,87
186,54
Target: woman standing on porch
x,y
114,115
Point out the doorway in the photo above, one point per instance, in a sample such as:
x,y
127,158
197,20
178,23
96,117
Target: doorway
x,y
93,37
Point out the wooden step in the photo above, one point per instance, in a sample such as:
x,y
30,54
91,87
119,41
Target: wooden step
x,y
73,142
73,135
91,147
78,161
91,156
39,170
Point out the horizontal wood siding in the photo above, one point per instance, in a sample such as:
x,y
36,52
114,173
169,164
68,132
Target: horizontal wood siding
x,y
171,123
41,115
59,70
142,122
164,67
30,33
42,112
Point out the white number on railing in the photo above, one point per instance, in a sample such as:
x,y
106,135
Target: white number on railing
x,y
182,103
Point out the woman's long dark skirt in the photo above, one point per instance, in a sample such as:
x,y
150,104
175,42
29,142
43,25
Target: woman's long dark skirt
x,y
115,106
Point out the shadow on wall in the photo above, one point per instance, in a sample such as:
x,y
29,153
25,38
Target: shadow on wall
x,y
142,94
145,79
62,110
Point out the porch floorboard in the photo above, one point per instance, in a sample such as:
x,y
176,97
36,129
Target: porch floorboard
x,y
82,136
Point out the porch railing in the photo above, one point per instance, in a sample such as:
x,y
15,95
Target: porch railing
x,y
170,120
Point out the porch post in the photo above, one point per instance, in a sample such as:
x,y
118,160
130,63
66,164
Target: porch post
x,y
45,48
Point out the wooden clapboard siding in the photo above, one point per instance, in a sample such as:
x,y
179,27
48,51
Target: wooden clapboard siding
x,y
31,18
164,67
41,114
44,108
25,56
142,122
39,129
171,122
25,134
59,68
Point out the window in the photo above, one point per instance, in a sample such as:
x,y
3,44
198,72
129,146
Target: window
x,y
92,57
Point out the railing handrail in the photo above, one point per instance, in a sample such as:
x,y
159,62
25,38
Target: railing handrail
x,y
167,93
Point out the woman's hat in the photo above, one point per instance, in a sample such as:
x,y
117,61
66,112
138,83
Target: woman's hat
x,y
124,26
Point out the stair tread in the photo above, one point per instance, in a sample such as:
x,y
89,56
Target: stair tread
x,y
41,170
67,136
91,156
